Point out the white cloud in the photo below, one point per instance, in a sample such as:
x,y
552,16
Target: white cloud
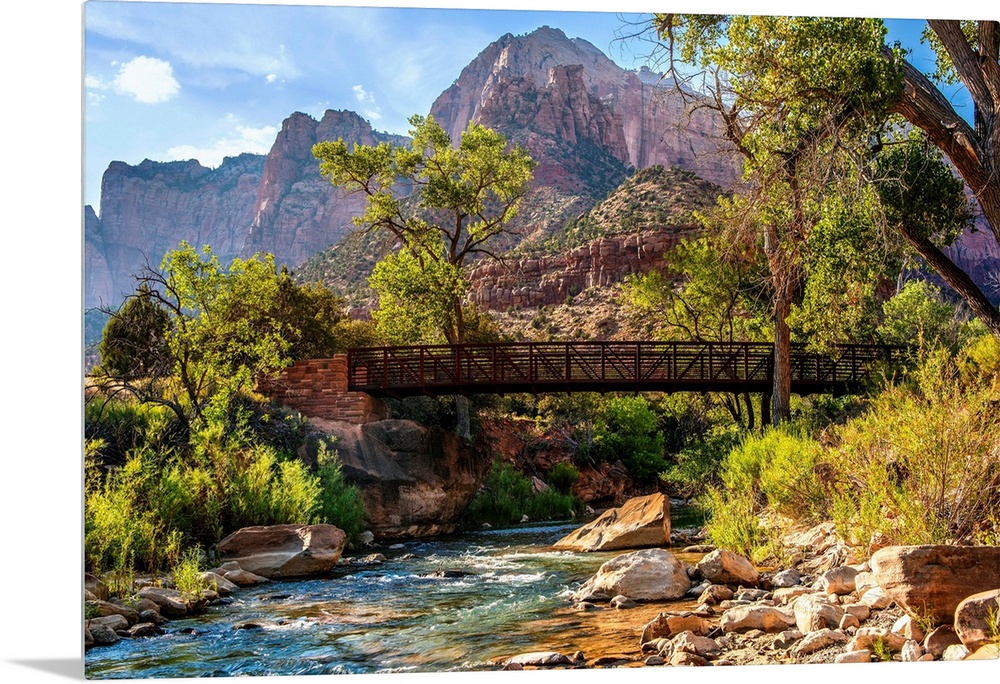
x,y
271,78
242,139
94,83
361,95
374,113
94,99
147,80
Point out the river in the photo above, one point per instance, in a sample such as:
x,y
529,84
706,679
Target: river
x,y
443,604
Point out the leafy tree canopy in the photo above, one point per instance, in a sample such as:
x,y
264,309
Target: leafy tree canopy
x,y
194,330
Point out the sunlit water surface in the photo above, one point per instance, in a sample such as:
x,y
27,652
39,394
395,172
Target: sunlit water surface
x,y
506,592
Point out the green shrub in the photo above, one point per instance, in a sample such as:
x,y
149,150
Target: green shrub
x,y
186,574
923,465
627,431
140,515
696,466
120,530
507,495
734,523
340,504
774,475
562,476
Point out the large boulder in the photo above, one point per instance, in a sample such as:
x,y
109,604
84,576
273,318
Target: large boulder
x,y
764,618
930,581
667,625
647,575
277,551
725,567
640,522
814,612
977,619
414,480
170,602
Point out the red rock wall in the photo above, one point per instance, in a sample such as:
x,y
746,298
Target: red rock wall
x,y
318,388
543,281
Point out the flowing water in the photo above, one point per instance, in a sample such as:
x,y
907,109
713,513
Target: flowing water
x,y
451,603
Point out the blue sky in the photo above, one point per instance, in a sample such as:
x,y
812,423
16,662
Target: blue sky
x,y
171,81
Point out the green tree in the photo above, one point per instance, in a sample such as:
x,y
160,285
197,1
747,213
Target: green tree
x,y
708,296
214,330
794,95
627,430
967,53
918,314
461,198
133,344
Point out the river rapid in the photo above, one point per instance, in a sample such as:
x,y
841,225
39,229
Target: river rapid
x,y
444,604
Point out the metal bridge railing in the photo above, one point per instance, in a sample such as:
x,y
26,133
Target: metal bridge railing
x,y
605,366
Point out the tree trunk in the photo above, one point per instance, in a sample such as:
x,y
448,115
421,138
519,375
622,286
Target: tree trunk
x,y
781,392
972,149
783,282
958,279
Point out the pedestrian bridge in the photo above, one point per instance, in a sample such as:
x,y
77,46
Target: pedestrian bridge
x,y
536,367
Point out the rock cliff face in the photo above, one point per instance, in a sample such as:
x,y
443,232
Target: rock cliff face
x,y
148,209
542,281
297,212
415,481
656,126
278,204
978,254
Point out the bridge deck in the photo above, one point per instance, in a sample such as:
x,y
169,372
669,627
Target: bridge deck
x,y
606,367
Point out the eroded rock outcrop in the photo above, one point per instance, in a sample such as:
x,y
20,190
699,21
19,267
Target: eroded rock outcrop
x,y
297,212
655,123
280,551
929,582
639,522
532,282
415,480
149,208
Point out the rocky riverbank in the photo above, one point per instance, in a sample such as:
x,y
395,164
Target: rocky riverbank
x,y
917,603
662,605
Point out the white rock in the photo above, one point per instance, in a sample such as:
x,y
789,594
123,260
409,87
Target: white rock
x,y
815,612
818,640
955,652
862,656
907,627
876,598
725,567
647,575
540,659
765,618
911,651
839,580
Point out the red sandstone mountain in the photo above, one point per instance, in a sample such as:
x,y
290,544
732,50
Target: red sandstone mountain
x,y
297,212
655,127
149,208
584,119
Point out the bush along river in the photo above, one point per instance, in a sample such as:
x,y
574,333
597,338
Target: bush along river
x,y
459,602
